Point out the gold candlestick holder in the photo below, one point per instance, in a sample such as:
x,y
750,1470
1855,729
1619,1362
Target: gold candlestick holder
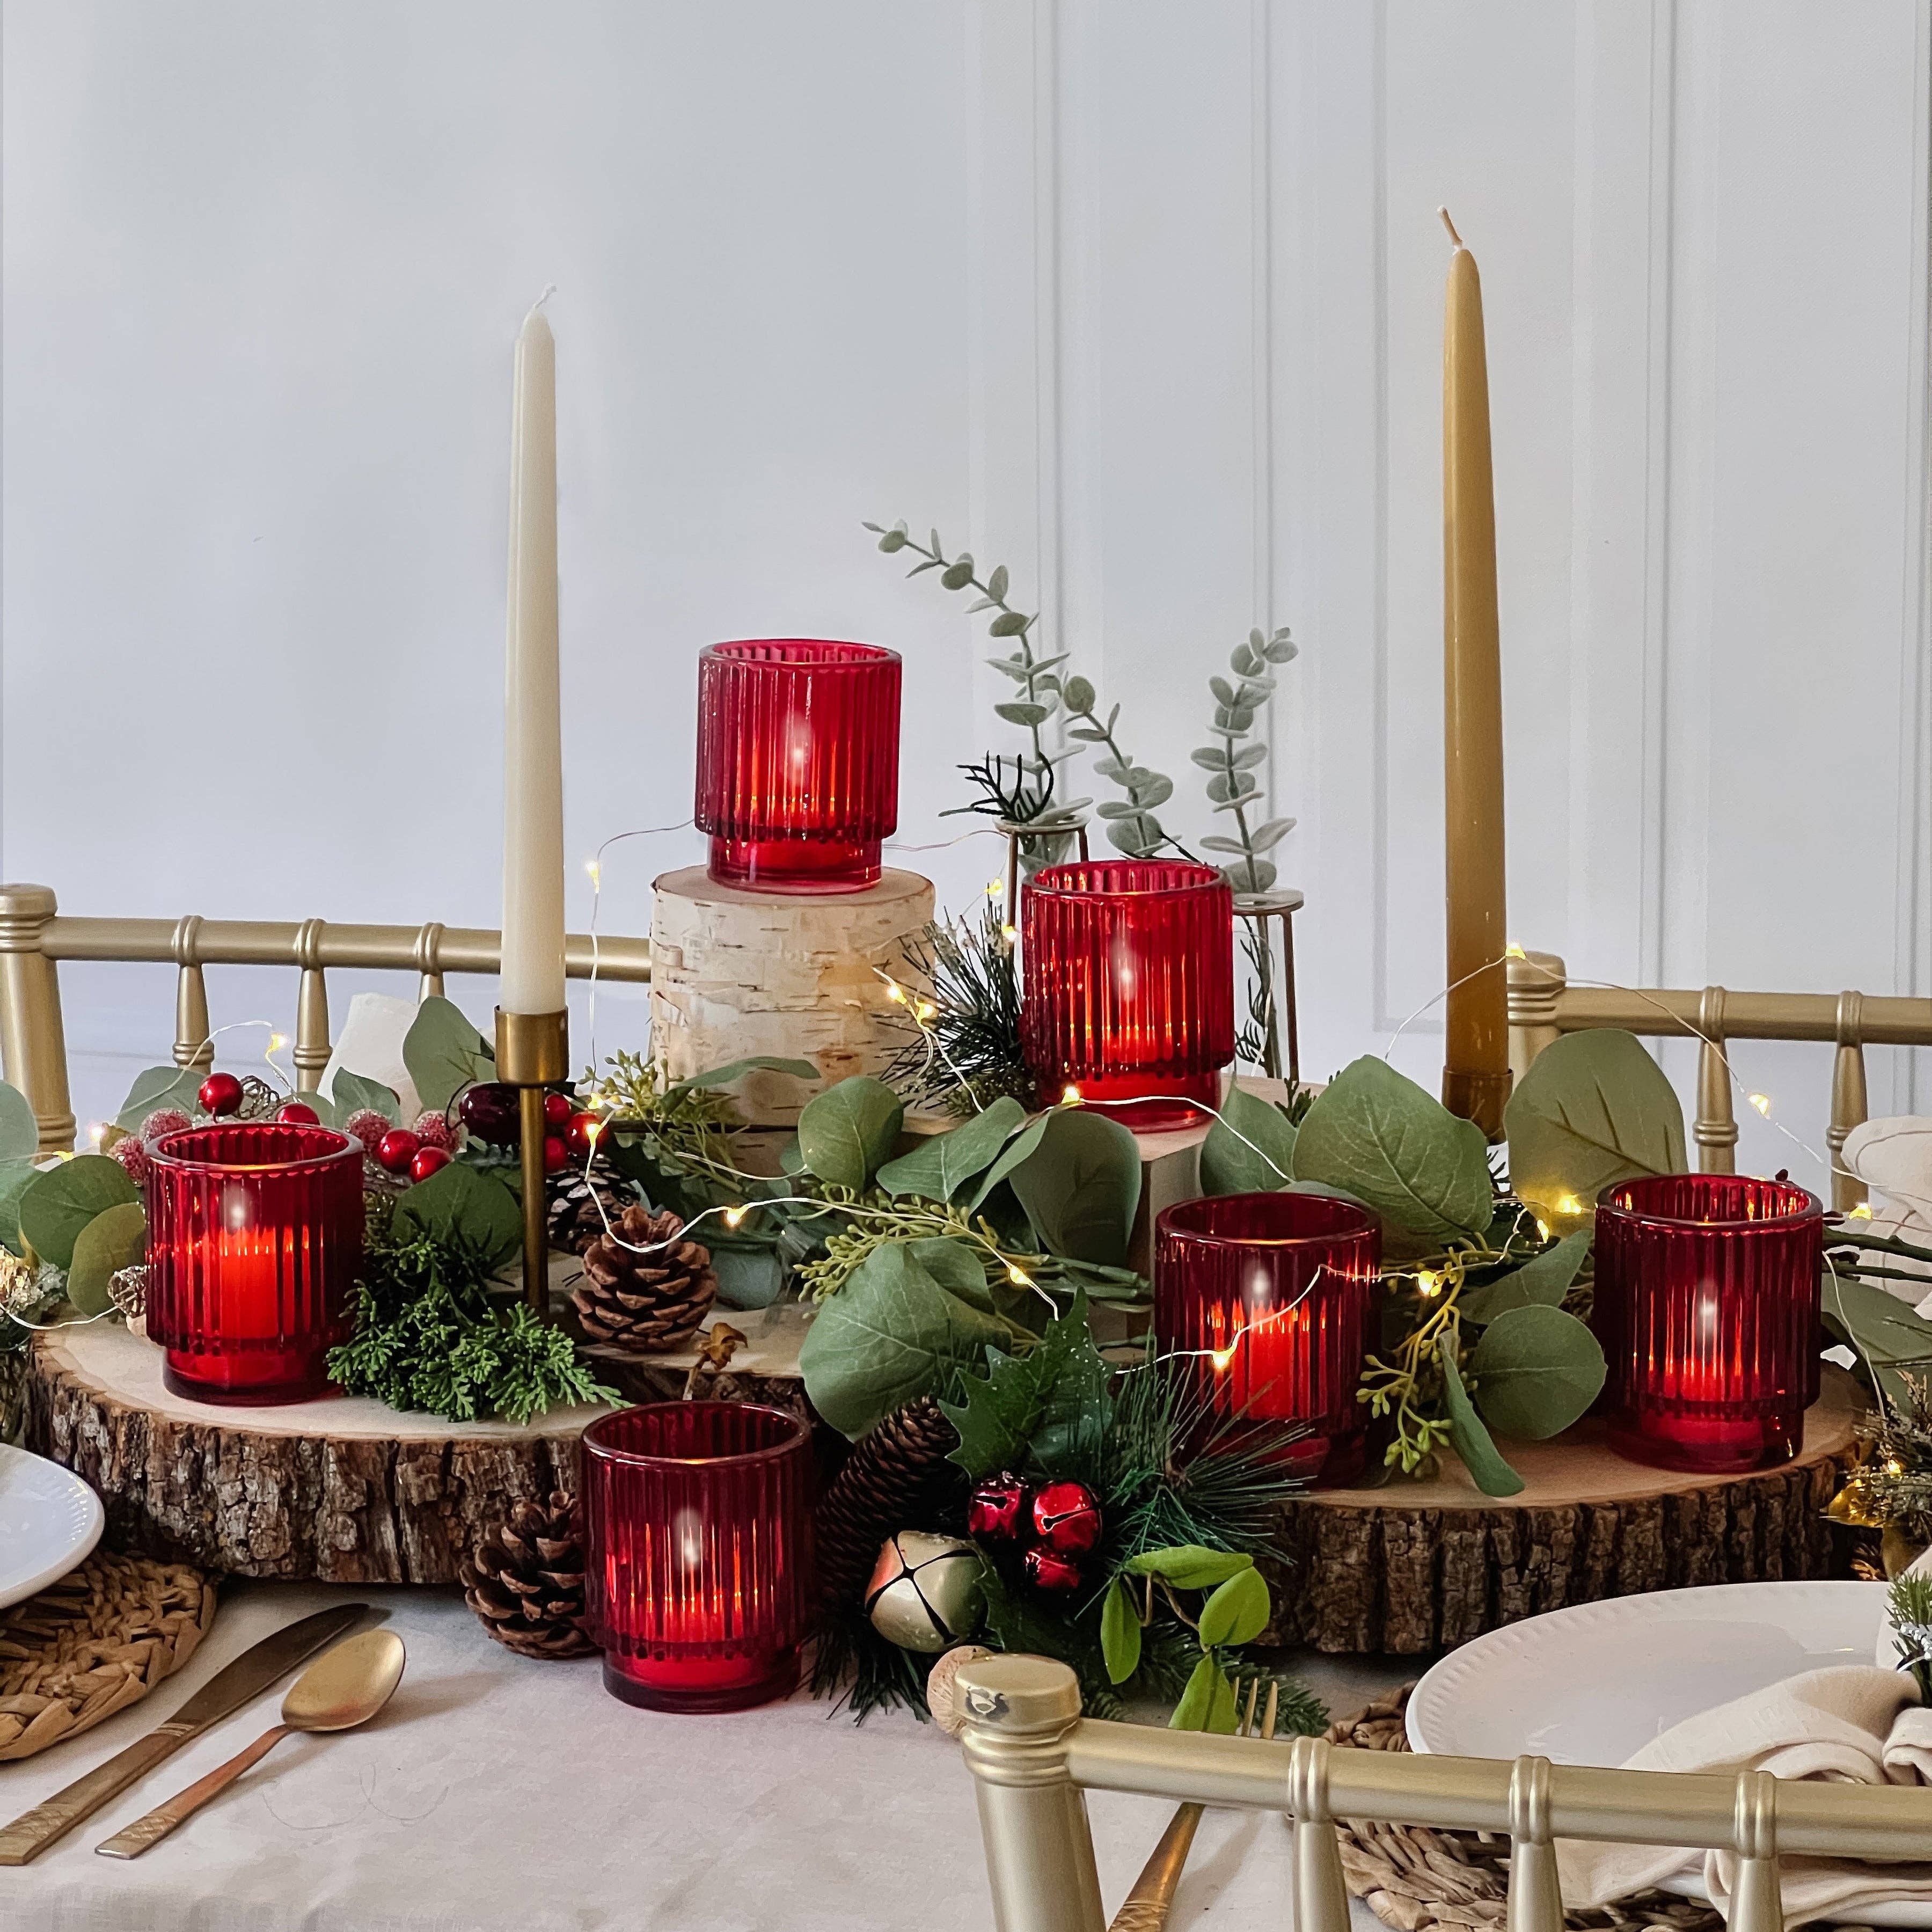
x,y
533,1052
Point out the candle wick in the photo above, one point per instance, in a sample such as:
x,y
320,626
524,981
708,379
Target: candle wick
x,y
551,289
1451,226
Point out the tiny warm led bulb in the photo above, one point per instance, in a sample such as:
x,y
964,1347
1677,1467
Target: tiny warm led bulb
x,y
732,1215
895,993
95,1133
1071,1097
1762,1101
1018,1276
1512,951
1428,1282
596,870
1221,1358
1862,1212
927,1010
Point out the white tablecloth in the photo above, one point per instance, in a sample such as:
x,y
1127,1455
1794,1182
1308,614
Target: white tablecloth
x,y
498,1793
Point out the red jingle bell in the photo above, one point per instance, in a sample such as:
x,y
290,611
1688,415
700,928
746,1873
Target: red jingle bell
x,y
1047,1570
221,1093
997,1512
1066,1518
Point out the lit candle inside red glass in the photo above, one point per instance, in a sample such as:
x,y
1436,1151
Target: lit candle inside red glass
x,y
697,1527
1273,1294
1707,1305
254,1242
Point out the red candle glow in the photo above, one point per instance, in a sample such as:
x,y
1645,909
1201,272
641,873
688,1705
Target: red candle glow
x,y
254,1241
1707,1305
1274,1294
697,1529
798,762
1128,986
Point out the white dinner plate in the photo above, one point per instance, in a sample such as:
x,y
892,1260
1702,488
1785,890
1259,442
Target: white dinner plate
x,y
49,1519
1593,1683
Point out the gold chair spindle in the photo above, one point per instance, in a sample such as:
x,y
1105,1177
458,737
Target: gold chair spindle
x,y
194,1042
429,962
1321,1893
1716,1131
1536,982
1535,1891
1755,1903
1849,1099
33,1049
311,1053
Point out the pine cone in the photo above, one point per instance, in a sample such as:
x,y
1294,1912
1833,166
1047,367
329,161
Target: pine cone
x,y
574,1203
897,1477
525,1580
646,1304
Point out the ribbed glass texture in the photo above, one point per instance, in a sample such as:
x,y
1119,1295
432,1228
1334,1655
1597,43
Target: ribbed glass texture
x,y
1127,986
1707,1305
697,1524
254,1243
1273,1295
798,762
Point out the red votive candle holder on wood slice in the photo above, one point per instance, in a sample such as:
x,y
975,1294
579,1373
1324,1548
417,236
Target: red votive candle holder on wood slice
x,y
697,1536
1274,1295
798,762
1127,986
1707,1305
254,1243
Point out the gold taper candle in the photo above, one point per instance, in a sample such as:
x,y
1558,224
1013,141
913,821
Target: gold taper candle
x,y
1475,1064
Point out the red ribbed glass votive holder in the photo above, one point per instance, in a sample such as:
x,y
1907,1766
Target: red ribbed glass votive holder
x,y
697,1530
1127,986
1274,1294
798,762
254,1243
1707,1305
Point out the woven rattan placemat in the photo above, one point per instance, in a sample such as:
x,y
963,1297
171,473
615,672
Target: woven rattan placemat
x,y
92,1644
1414,1878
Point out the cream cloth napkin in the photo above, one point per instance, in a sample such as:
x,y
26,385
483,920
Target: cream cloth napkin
x,y
1853,1722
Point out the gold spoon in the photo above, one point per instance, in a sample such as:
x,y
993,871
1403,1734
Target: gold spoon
x,y
344,1687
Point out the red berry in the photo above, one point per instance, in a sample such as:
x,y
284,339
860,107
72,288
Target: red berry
x,y
557,1156
432,1129
164,1121
558,1109
396,1149
1048,1570
426,1161
133,1156
368,1126
221,1093
294,1113
1066,1518
997,1512
581,1134
489,1112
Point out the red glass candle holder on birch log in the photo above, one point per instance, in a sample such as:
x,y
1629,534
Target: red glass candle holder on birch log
x,y
254,1243
1127,986
697,1537
1274,1294
798,762
1707,1305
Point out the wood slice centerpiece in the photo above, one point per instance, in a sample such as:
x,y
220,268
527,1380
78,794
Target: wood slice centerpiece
x,y
1414,1567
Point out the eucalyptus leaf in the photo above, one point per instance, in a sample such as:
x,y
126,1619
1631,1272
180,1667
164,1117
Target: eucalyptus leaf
x,y
15,1178
1022,712
59,1202
959,1269
1250,756
942,1163
1080,696
325,1110
444,1053
996,584
846,1133
1376,1133
113,1240
1082,1185
890,1333
1238,1611
459,1203
1471,1440
1210,757
1016,1150
1119,1633
354,1092
1250,1149
1542,1281
176,1087
1892,1340
1593,1108
19,1131
1537,1370
1009,624
1265,837
737,1070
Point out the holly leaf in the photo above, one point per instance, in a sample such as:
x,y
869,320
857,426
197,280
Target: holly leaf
x,y
1593,1108
55,1205
846,1132
1375,1134
1119,1633
890,1333
1541,1282
1190,1566
458,1203
179,1087
1470,1439
1537,1370
1080,1186
1250,1149
115,1239
1001,1410
19,1131
444,1053
354,1092
1238,1611
943,1163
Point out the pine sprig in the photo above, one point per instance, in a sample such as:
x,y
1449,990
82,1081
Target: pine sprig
x,y
968,1053
1909,1603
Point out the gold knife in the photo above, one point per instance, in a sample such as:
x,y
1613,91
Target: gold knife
x,y
228,1689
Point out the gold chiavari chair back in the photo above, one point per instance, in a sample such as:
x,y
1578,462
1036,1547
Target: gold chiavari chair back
x,y
35,936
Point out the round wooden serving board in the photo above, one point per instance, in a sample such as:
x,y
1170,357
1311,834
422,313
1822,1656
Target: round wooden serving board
x,y
1414,1567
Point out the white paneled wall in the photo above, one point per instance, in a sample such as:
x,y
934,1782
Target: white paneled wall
x,y
1143,301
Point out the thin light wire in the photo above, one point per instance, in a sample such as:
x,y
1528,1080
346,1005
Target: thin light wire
x,y
596,909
